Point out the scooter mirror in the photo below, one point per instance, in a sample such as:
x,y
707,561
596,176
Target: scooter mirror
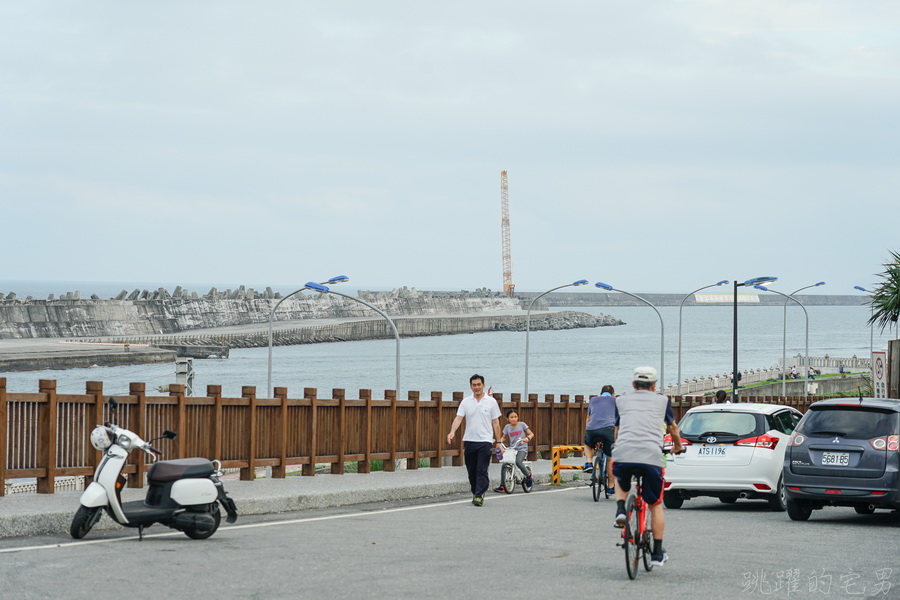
x,y
169,434
112,403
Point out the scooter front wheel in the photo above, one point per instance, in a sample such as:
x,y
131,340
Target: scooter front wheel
x,y
85,518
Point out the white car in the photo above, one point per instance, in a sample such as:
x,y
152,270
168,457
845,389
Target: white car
x,y
732,451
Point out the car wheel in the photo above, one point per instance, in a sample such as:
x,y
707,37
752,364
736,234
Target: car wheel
x,y
864,509
798,510
777,500
728,499
673,500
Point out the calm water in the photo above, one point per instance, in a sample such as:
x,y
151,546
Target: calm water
x,y
561,362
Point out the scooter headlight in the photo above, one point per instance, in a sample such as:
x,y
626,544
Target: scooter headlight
x,y
101,438
124,441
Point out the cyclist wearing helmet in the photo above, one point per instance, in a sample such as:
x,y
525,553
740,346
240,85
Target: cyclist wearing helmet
x,y
638,449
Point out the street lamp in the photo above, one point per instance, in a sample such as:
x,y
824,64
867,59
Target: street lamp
x,y
680,308
662,329
333,280
734,370
784,338
806,354
324,290
871,324
528,323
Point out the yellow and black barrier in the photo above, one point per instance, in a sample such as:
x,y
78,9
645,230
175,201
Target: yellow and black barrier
x,y
554,460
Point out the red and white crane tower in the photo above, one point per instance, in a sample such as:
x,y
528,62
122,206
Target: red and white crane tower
x,y
508,286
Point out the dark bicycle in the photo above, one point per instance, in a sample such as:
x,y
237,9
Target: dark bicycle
x,y
599,478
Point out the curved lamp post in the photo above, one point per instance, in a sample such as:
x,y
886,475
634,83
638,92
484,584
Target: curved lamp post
x,y
662,329
871,325
806,353
528,323
784,338
324,290
734,370
333,280
680,308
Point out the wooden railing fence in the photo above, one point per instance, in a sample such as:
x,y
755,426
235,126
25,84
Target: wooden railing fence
x,y
45,435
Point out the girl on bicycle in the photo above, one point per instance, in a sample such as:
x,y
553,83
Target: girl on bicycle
x,y
518,435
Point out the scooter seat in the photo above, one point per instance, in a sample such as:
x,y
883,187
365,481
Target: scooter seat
x,y
182,468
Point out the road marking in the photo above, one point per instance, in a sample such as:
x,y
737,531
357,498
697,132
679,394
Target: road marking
x,y
287,522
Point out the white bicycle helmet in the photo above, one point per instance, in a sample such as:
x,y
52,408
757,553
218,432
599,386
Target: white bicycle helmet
x,y
101,439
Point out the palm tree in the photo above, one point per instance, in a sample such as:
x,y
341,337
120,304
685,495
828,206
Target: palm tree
x,y
885,300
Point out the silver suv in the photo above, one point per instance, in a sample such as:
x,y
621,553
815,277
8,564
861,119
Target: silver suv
x,y
844,452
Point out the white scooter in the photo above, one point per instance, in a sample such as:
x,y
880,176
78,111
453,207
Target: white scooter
x,y
183,494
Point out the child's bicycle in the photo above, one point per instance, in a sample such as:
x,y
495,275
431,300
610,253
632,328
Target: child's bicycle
x,y
599,479
510,475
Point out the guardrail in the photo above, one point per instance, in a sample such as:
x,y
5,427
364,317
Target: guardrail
x,y
556,466
45,435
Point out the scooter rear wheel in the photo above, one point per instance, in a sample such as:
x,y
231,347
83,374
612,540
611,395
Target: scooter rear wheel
x,y
216,514
85,518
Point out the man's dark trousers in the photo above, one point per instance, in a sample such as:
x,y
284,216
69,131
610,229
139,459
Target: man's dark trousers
x,y
478,459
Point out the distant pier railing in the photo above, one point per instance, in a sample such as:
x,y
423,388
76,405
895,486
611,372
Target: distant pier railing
x,y
824,364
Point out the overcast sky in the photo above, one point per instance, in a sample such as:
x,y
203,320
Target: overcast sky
x,y
656,146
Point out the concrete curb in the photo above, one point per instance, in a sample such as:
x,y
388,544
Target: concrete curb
x,y
42,514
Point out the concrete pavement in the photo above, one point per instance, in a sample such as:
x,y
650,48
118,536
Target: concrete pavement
x,y
37,514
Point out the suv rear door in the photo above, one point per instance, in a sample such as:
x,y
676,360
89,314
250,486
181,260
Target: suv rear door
x,y
839,441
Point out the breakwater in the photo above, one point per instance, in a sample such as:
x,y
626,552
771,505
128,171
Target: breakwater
x,y
370,329
160,313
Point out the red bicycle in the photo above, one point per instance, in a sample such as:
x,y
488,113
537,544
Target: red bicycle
x,y
637,537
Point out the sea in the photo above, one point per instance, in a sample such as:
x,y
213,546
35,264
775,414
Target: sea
x,y
572,362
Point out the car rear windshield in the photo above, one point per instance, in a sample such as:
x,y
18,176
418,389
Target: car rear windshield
x,y
849,422
718,423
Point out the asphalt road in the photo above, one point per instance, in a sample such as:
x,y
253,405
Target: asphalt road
x,y
552,543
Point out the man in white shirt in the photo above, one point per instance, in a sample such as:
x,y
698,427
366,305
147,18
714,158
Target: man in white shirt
x,y
482,415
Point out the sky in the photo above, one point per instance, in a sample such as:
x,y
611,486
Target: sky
x,y
655,146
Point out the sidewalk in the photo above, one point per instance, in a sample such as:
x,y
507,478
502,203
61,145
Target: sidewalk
x,y
37,514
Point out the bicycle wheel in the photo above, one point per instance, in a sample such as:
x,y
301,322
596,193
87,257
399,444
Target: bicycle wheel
x,y
607,492
647,549
631,537
508,478
527,487
596,480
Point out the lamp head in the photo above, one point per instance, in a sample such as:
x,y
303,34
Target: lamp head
x,y
860,288
723,282
759,281
820,283
761,287
580,282
338,279
316,287
604,286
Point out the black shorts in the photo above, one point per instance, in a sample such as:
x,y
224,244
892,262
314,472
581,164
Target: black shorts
x,y
605,435
654,478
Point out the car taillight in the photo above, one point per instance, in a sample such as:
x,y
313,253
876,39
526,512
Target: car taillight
x,y
797,439
760,441
886,442
667,442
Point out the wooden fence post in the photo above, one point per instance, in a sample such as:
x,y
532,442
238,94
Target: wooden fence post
x,y
176,390
438,400
310,467
4,420
95,416
280,470
365,466
46,441
340,395
391,464
137,423
460,457
248,473
413,463
215,392
551,406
